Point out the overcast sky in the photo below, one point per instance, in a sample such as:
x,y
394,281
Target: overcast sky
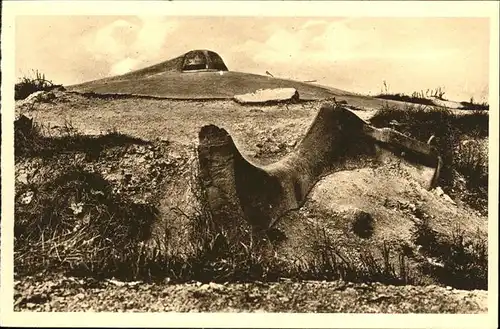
x,y
354,54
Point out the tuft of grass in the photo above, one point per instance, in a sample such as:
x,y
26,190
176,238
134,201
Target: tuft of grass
x,y
405,98
417,97
74,222
462,261
473,106
30,84
457,140
333,260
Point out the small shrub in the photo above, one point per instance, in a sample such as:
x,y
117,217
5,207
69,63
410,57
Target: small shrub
x,y
29,85
417,97
471,161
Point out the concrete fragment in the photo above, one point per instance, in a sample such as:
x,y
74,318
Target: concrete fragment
x,y
237,189
38,96
266,96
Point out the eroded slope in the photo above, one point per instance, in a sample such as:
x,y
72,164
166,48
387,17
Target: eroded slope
x,y
159,169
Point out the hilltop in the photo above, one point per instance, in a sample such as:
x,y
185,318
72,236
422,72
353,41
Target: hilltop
x,y
177,79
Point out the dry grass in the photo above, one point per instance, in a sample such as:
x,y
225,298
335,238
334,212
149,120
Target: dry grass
x,y
473,106
459,140
461,259
405,98
73,221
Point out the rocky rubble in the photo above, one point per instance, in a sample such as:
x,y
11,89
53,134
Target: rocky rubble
x,y
69,294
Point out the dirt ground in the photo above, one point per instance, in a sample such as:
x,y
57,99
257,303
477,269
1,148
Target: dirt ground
x,y
69,294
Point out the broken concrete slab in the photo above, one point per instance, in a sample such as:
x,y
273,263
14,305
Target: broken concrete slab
x,y
336,140
269,96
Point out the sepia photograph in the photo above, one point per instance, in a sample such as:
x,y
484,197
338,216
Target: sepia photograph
x,y
174,163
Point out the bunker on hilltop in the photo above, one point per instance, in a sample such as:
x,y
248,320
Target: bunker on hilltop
x,y
194,75
202,60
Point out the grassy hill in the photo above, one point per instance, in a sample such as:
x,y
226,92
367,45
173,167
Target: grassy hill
x,y
200,85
